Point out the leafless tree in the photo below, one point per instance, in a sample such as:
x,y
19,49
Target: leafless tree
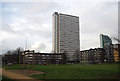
x,y
11,56
76,56
116,39
64,58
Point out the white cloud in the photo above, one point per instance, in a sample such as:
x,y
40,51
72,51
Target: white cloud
x,y
36,45
34,21
6,36
60,0
39,47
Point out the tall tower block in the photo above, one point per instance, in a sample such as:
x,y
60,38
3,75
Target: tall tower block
x,y
66,35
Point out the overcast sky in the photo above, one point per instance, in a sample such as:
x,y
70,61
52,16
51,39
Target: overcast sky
x,y
30,23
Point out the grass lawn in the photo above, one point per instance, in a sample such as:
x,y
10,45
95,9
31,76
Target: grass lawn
x,y
75,71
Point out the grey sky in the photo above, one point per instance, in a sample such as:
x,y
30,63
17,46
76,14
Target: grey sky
x,y
32,22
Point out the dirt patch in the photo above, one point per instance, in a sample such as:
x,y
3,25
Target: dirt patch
x,y
27,72
18,75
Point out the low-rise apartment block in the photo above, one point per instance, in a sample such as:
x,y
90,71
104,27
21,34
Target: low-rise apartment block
x,y
92,56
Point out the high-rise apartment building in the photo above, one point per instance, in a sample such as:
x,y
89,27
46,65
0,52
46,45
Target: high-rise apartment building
x,y
66,35
106,43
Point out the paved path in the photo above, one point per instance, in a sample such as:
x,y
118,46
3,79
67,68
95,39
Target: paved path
x,y
16,76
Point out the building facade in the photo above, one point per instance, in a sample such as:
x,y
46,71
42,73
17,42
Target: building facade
x,y
92,56
116,52
66,35
31,57
106,43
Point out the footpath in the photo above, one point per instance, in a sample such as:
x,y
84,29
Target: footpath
x,y
16,76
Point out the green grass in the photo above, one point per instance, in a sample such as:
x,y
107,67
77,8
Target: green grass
x,y
75,71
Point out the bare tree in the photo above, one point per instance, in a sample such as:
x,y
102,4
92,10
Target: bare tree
x,y
116,39
76,56
12,56
64,58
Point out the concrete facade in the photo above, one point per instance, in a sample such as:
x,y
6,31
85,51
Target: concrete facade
x,y
66,35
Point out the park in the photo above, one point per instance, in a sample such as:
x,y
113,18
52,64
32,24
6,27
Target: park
x,y
70,71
